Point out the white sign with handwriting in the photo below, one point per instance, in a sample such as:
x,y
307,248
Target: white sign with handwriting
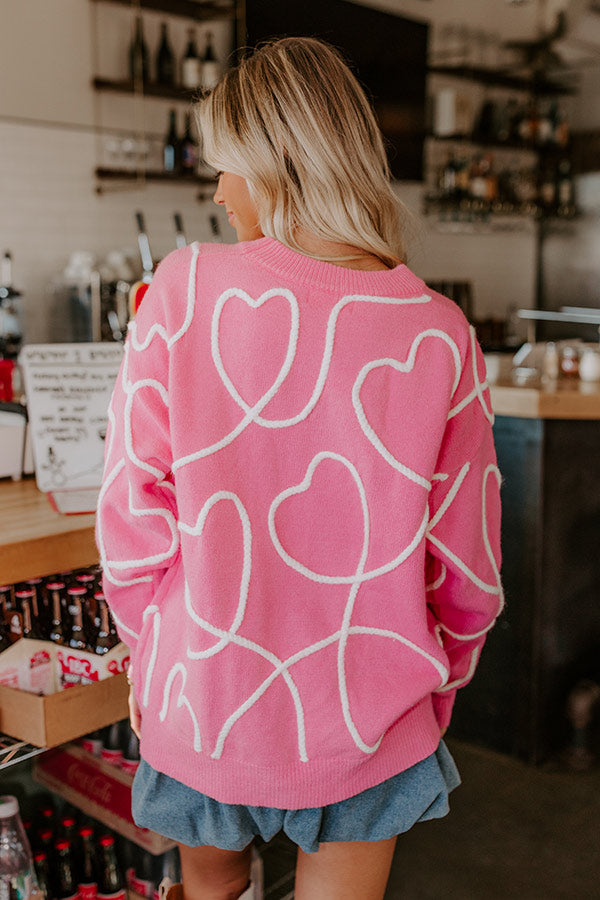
x,y
68,389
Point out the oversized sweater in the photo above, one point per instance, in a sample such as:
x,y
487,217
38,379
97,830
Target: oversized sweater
x,y
299,521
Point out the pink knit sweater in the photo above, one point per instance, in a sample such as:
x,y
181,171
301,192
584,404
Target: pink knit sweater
x,y
299,521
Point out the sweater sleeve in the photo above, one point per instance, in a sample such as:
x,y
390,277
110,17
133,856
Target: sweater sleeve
x,y
136,522
465,593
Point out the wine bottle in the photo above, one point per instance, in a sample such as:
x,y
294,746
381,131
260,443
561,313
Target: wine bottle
x,y
191,66
138,55
172,145
165,61
210,66
189,147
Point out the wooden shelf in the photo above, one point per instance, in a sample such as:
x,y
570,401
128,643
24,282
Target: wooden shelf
x,y
35,540
495,78
150,89
166,177
548,150
187,9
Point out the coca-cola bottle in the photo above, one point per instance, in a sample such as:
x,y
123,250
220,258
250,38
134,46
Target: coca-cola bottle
x,y
112,750
31,627
68,829
111,884
87,881
65,883
5,641
169,868
131,754
144,874
42,871
92,742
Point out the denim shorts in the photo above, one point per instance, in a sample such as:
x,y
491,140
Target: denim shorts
x,y
176,811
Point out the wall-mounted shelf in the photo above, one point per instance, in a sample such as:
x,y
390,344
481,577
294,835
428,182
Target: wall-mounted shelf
x,y
519,146
129,175
496,78
187,9
150,89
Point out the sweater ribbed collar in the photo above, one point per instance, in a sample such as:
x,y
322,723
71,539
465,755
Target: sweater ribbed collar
x,y
273,255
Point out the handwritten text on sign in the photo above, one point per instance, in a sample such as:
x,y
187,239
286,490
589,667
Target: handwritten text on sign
x,y
68,389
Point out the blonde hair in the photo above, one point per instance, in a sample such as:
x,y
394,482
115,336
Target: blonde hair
x,y
293,121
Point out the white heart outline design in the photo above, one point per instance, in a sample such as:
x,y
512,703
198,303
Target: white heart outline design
x,y
404,367
182,700
335,579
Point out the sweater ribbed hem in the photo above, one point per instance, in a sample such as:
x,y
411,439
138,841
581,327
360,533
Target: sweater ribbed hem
x,y
297,785
273,255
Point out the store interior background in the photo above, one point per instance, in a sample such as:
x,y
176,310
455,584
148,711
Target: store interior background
x,y
49,147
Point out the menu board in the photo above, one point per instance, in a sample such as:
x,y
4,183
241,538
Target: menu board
x,y
68,389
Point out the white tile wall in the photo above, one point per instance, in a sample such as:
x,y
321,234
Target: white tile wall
x,y
49,208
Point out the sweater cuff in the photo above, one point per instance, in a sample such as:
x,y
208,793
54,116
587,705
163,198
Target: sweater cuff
x,y
442,707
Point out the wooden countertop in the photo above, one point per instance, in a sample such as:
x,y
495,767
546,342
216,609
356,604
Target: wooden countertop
x,y
35,540
530,398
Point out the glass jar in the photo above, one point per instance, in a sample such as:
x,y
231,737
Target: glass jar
x,y
569,362
589,365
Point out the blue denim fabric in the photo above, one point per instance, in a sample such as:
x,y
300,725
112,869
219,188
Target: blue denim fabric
x,y
189,817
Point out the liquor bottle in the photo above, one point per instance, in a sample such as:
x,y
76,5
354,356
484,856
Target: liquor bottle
x,y
189,147
65,883
111,884
131,754
36,585
17,873
58,631
105,639
165,61
171,146
87,881
42,872
138,55
210,66
78,639
112,750
191,65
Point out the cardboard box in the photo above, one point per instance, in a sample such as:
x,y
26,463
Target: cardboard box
x,y
57,718
43,667
99,788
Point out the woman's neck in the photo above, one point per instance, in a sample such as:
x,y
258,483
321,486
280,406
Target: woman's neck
x,y
340,254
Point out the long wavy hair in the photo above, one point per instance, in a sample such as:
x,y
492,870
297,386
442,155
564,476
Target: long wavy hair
x,y
293,120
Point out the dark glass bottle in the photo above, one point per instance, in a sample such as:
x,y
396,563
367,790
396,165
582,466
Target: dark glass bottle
x,y
65,883
58,631
143,879
191,64
42,871
31,627
165,60
111,884
131,754
105,639
112,749
87,881
172,145
210,66
138,55
5,641
78,638
189,147
68,830
6,595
